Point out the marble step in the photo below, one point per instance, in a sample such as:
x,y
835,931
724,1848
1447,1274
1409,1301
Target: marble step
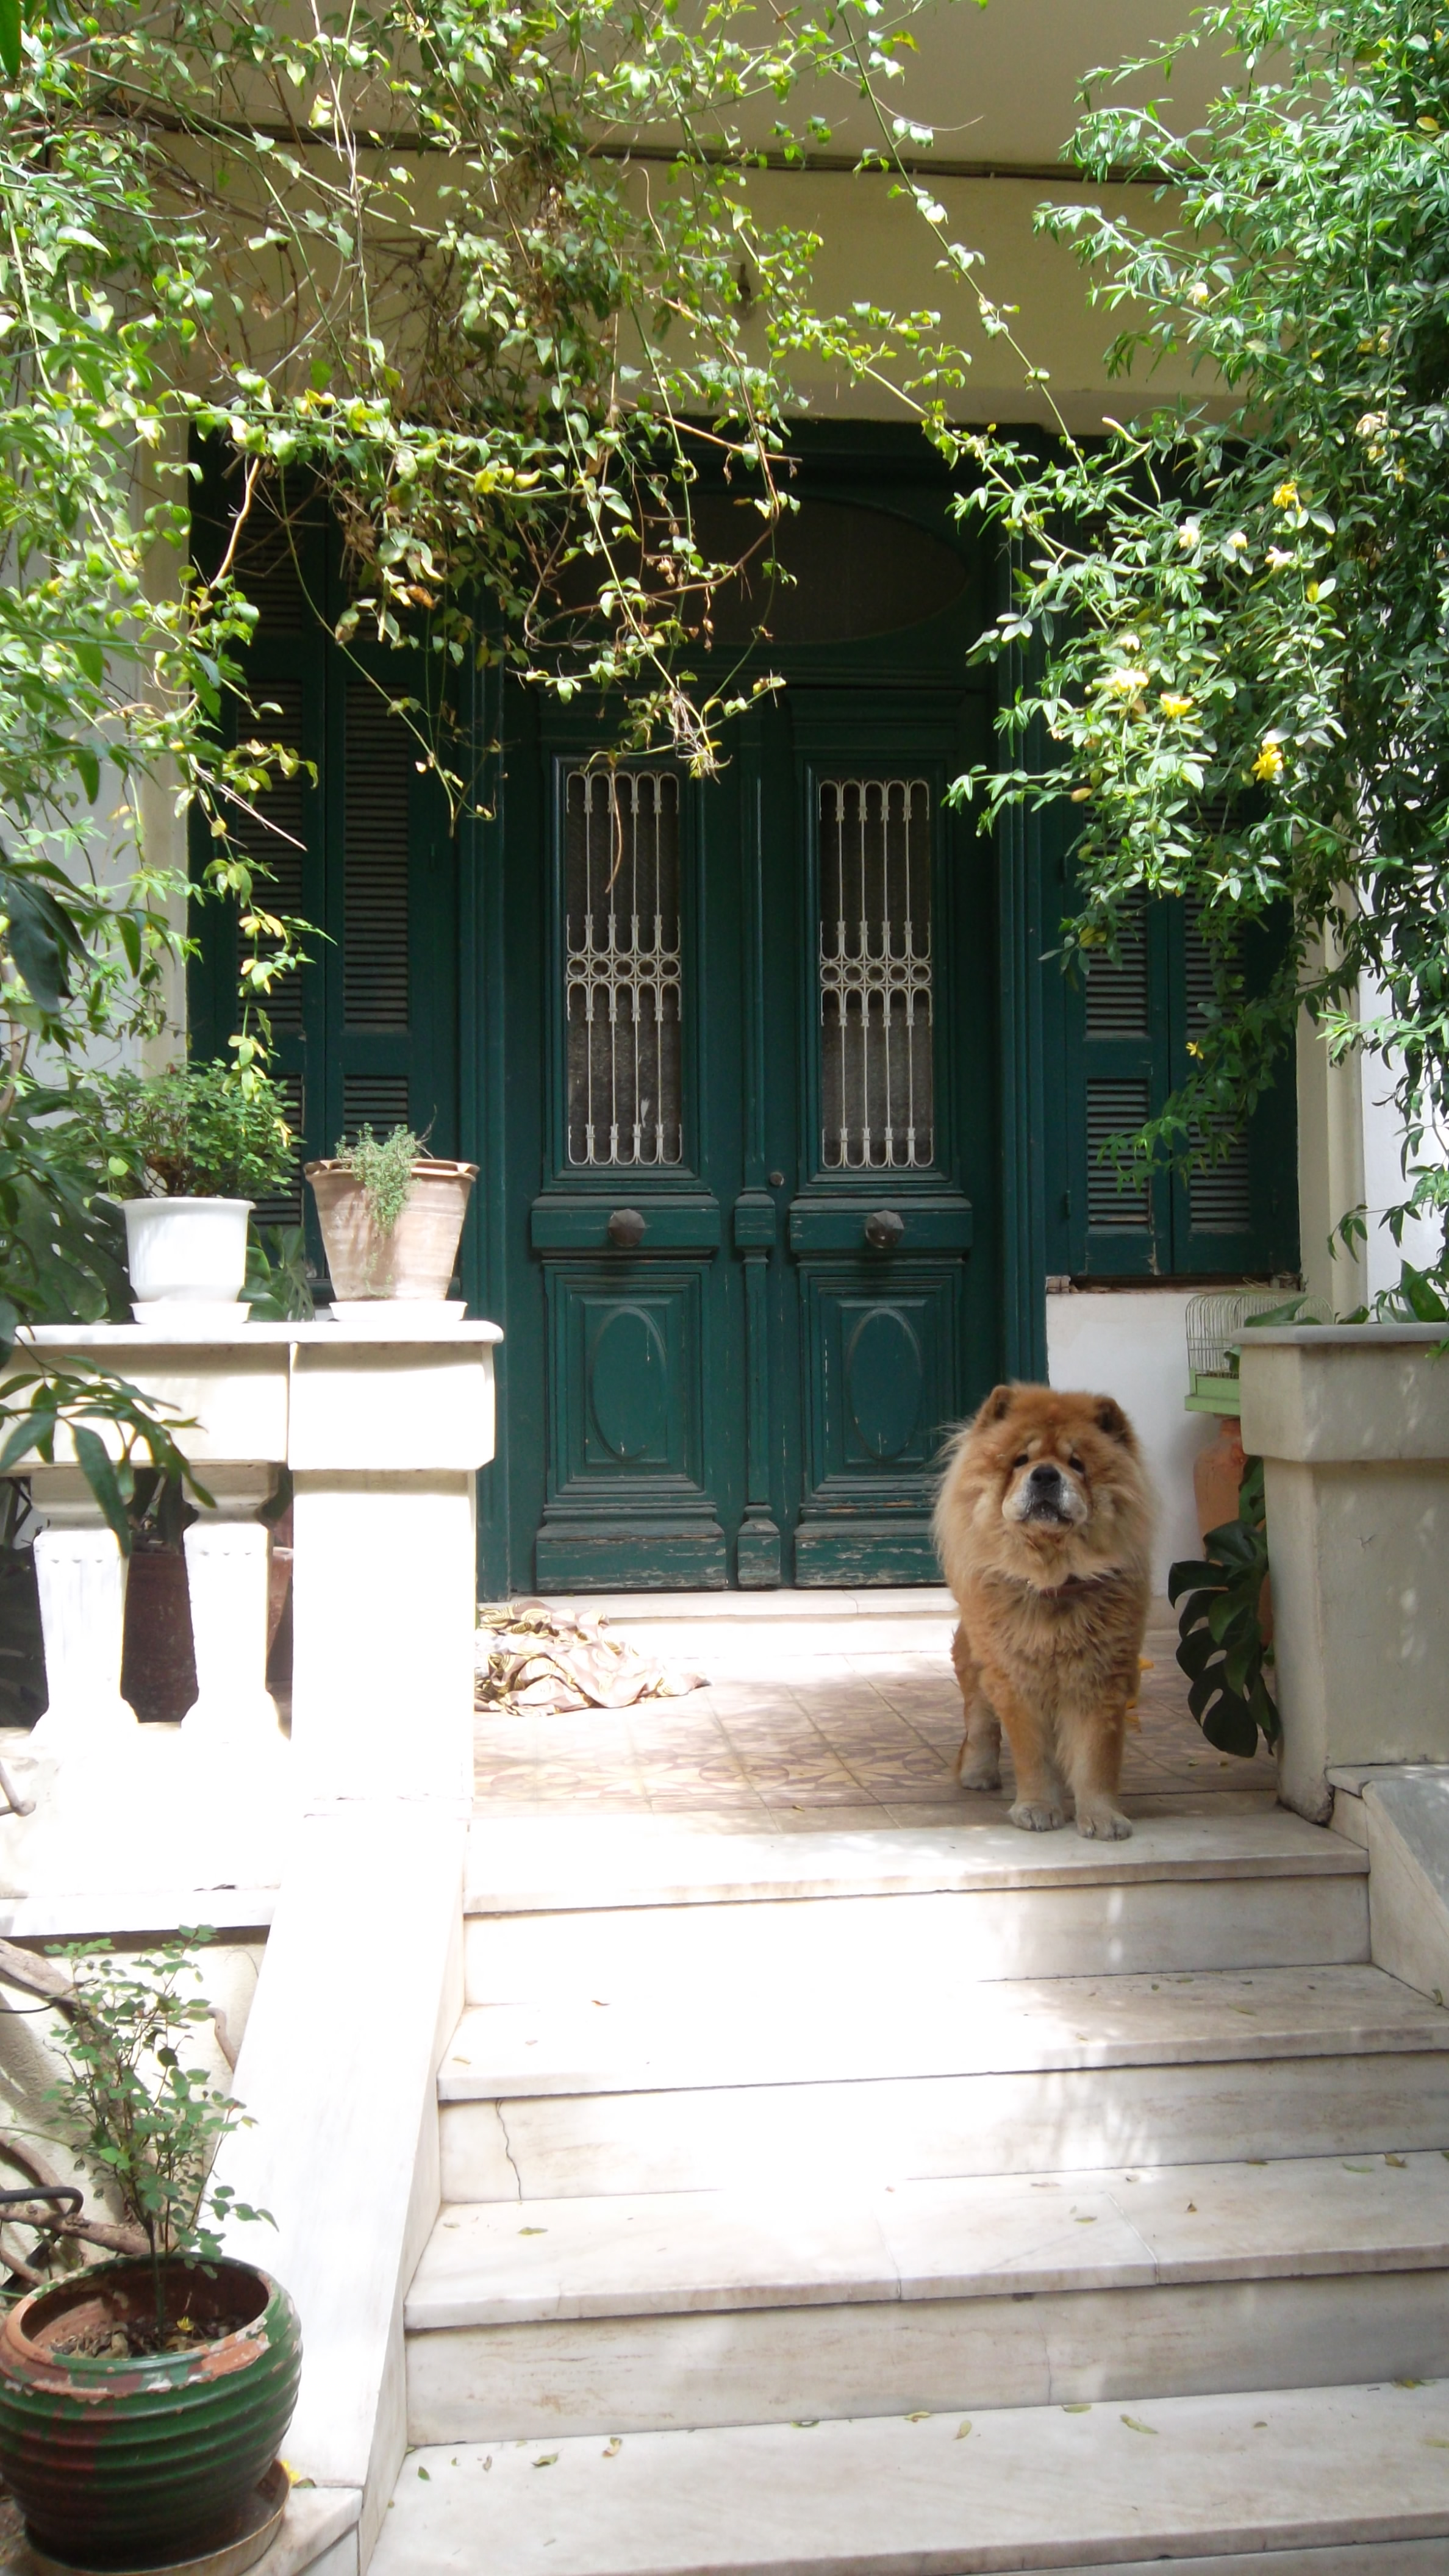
x,y
1311,2481
767,1910
541,2102
724,1635
682,2309
593,1864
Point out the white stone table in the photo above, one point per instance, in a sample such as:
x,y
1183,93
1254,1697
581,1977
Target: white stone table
x,y
383,1438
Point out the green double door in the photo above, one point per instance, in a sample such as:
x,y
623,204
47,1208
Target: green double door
x,y
750,1073
729,1054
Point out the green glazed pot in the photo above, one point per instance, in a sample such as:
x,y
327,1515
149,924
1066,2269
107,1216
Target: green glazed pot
x,y
120,2463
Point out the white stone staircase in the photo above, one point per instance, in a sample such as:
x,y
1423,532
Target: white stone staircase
x,y
936,2200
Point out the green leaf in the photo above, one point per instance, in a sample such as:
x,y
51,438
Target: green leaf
x,y
41,938
100,1475
1188,1574
10,32
1231,1726
1196,1651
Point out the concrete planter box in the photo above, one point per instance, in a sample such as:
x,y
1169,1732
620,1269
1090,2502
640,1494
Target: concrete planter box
x,y
1352,1424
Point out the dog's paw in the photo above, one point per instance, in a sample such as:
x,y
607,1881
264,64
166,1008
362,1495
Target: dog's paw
x,y
1038,1815
983,1773
1103,1825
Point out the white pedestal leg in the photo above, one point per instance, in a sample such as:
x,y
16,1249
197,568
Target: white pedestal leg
x,y
226,1577
80,1574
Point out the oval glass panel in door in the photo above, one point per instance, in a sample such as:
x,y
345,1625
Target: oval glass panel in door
x,y
876,1088
622,970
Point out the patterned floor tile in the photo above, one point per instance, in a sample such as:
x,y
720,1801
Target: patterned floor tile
x,y
818,1741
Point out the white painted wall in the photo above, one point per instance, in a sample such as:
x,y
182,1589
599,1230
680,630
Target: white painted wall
x,y
1384,1183
1349,1156
1132,1343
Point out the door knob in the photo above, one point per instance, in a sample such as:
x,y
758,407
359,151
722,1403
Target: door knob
x,y
626,1229
883,1229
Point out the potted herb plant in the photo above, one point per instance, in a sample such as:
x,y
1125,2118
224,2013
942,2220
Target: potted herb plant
x,y
391,1216
188,1152
143,2402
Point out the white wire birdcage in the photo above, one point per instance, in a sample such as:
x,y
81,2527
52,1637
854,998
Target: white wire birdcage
x,y
1215,1325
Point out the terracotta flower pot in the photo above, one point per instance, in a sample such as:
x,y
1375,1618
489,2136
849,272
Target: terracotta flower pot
x,y
117,2462
417,1257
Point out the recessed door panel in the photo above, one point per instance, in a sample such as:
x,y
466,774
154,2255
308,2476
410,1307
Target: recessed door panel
x,y
627,1384
880,1360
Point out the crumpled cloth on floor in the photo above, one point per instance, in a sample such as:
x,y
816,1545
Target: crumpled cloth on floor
x,y
531,1657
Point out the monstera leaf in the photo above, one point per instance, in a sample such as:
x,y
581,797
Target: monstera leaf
x,y
1221,1645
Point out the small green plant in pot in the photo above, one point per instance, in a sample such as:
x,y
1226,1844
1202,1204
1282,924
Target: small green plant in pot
x,y
189,1152
143,2402
392,1217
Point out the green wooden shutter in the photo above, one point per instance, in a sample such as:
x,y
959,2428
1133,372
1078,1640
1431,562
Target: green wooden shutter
x,y
366,1033
1128,1028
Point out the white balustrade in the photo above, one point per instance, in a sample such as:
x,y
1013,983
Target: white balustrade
x,y
383,1438
80,1575
227,1565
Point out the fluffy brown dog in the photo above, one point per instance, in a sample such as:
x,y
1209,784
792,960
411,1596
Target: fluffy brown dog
x,y
1043,1524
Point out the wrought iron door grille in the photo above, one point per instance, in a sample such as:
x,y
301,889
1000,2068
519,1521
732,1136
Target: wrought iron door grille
x,y
622,971
876,1089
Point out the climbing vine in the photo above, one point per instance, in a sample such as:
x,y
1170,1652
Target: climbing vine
x,y
1230,613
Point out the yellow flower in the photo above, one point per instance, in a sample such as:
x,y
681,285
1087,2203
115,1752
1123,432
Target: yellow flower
x,y
1126,681
1286,497
1278,559
1269,763
1081,795
1188,534
1172,706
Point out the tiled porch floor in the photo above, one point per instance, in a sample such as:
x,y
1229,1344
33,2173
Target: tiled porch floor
x,y
814,1739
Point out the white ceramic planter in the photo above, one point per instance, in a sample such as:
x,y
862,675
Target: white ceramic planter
x,y
1352,1424
187,1251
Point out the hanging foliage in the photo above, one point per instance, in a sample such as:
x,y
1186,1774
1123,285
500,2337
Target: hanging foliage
x,y
487,271
410,260
1230,614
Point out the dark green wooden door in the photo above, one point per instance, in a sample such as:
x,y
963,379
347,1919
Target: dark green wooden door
x,y
757,1287
627,1230
879,1230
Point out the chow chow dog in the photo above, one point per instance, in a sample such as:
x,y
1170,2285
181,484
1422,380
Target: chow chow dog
x,y
1043,1523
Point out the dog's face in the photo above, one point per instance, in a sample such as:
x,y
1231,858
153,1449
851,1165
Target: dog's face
x,y
1053,1455
1054,1475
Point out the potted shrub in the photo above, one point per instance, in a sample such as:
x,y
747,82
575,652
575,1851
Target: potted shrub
x,y
391,1217
143,2402
188,1152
